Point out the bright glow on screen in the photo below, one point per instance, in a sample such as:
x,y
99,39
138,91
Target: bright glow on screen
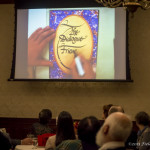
x,y
85,43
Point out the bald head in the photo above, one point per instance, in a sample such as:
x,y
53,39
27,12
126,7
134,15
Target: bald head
x,y
117,127
115,109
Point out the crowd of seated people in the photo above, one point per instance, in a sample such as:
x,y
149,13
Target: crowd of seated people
x,y
114,134
87,130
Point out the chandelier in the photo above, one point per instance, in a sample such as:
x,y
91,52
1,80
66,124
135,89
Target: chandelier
x,y
130,5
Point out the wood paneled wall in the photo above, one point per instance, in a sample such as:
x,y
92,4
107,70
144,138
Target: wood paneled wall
x,y
18,128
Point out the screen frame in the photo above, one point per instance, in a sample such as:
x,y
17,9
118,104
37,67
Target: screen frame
x,y
31,4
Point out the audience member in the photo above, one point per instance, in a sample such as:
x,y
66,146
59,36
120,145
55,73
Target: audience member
x,y
14,142
142,121
114,132
87,130
106,110
4,142
115,108
42,126
65,131
133,135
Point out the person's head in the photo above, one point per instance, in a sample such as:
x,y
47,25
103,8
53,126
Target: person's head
x,y
115,108
142,118
105,110
88,128
65,128
45,116
117,127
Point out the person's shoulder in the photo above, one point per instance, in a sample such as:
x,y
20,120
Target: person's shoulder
x,y
70,145
36,124
71,142
76,141
53,137
146,132
147,129
50,142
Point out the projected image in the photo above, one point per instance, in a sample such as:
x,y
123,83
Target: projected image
x,y
72,36
85,43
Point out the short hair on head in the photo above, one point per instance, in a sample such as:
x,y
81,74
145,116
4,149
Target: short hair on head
x,y
45,116
115,108
106,109
142,118
120,126
88,128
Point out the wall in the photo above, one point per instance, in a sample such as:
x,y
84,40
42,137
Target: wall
x,y
26,99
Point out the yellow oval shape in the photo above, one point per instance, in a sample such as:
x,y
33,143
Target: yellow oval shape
x,y
73,35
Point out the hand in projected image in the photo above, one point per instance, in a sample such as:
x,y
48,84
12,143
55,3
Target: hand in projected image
x,y
36,44
87,67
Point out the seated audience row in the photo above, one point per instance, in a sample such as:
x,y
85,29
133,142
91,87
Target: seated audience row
x,y
87,130
113,134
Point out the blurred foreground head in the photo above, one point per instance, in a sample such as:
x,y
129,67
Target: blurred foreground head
x,y
117,127
87,129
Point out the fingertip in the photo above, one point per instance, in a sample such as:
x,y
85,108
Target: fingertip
x,y
53,35
47,27
50,63
52,30
45,63
39,28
